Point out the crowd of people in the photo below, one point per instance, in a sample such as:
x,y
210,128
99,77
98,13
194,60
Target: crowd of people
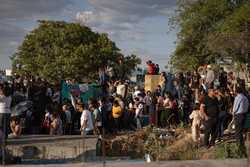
x,y
209,101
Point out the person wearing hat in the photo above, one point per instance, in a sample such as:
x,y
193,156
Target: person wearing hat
x,y
210,111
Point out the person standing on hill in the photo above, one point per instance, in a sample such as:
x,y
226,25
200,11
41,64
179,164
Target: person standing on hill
x,y
210,77
210,111
5,102
240,108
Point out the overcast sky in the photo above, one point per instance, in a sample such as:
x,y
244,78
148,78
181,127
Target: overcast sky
x,y
137,26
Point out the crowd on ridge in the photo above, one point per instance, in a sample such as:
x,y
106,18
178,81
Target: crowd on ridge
x,y
209,101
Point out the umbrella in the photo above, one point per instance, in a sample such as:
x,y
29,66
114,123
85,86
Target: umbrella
x,y
20,108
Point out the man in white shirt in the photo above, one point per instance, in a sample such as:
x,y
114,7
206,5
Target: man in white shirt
x,y
87,126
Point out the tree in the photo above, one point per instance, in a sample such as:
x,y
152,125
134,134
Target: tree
x,y
199,22
57,50
232,37
126,66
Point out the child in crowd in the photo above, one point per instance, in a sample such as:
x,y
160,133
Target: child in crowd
x,y
196,117
138,114
15,127
68,120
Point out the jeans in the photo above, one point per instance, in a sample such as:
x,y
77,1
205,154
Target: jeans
x,y
117,124
220,125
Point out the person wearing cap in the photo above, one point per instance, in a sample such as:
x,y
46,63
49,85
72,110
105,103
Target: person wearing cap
x,y
210,110
210,77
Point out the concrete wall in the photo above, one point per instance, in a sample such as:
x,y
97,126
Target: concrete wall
x,y
54,148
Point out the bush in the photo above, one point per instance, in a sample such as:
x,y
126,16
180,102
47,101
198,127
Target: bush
x,y
230,150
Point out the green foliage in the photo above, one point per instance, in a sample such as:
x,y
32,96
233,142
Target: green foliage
x,y
153,146
200,24
232,36
126,66
58,50
230,150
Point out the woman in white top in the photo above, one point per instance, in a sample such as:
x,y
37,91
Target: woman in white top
x,y
5,102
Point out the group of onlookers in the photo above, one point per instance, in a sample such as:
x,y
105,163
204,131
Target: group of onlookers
x,y
209,101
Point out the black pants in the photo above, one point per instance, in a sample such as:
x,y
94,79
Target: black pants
x,y
239,124
117,124
5,123
210,129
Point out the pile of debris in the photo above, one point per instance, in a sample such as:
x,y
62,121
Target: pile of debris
x,y
146,141
165,144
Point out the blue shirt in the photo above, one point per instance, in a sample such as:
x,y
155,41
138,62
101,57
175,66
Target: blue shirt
x,y
241,104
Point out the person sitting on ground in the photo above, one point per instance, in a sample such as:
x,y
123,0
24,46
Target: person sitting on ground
x,y
196,123
150,68
15,127
46,122
56,125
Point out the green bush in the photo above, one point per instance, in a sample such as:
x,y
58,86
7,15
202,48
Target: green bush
x,y
230,150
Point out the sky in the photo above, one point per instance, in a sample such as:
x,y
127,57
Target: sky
x,y
137,26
